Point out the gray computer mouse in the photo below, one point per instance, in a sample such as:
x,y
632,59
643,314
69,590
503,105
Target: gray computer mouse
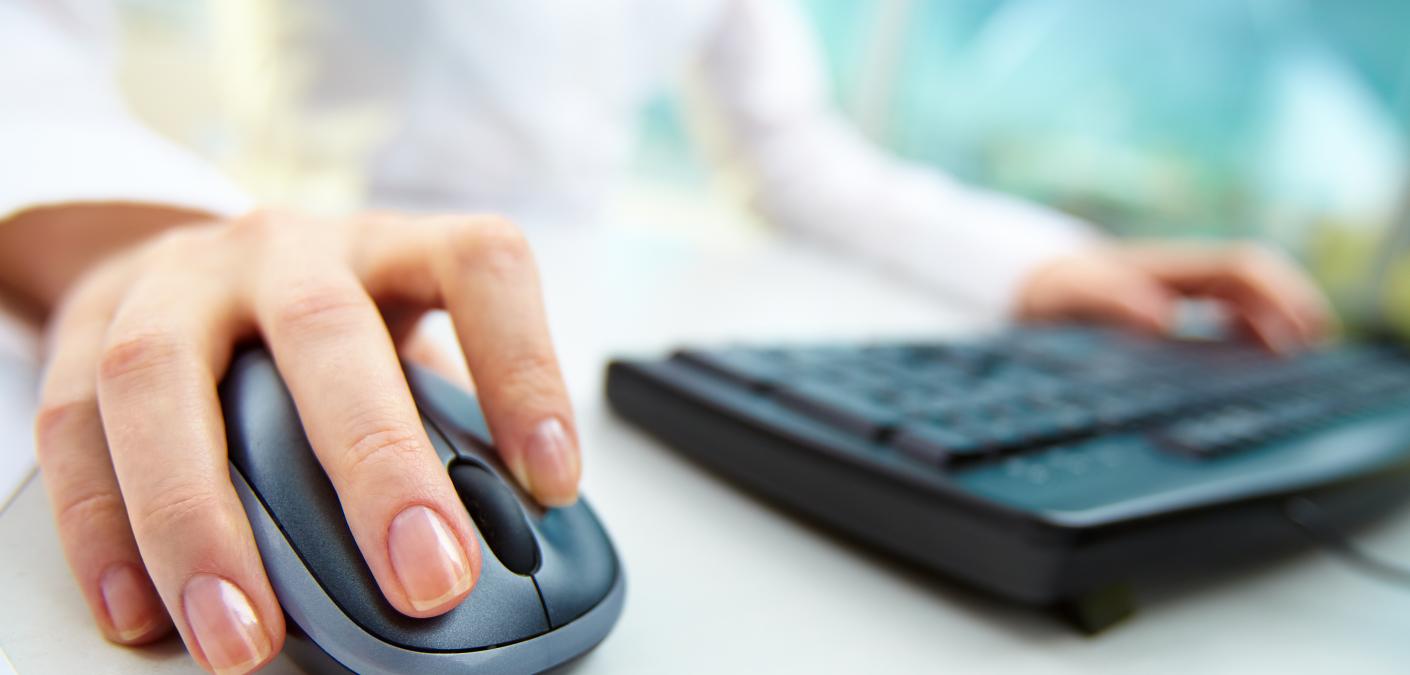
x,y
550,588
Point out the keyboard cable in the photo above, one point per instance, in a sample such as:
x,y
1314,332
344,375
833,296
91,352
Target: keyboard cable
x,y
1308,517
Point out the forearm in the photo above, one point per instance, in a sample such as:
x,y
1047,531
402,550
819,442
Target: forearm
x,y
44,249
972,245
809,170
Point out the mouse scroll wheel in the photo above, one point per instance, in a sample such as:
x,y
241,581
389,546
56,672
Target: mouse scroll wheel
x,y
497,512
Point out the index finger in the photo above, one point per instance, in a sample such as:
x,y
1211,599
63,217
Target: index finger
x,y
482,270
333,351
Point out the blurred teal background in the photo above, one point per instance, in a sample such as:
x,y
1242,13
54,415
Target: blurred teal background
x,y
1279,119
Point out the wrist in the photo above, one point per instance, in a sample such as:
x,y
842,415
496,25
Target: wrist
x,y
1041,283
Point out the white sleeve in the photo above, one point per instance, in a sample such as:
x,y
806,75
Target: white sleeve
x,y
812,172
65,134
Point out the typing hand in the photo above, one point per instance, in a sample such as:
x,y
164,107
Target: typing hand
x,y
131,439
1137,285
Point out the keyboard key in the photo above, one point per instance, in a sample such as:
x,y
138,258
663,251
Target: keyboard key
x,y
1219,431
841,409
1191,441
1036,389
938,445
1066,419
919,405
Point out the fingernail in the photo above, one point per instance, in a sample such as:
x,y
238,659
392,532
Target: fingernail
x,y
225,624
128,599
552,465
427,558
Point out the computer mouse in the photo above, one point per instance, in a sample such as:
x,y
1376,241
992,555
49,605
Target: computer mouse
x,y
551,585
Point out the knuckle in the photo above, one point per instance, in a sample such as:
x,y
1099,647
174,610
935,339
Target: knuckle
x,y
1250,258
53,417
385,217
131,355
381,445
177,244
88,508
273,233
530,377
313,305
86,304
488,242
174,510
258,221
175,254
531,365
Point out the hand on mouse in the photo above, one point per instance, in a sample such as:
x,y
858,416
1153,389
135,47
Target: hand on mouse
x,y
131,440
1137,285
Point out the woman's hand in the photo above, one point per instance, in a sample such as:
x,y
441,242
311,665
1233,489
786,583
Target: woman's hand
x,y
132,443
1137,285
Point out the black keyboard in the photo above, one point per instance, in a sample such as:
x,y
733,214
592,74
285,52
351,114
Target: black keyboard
x,y
1053,465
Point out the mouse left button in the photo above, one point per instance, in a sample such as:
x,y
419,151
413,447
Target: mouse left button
x,y
497,512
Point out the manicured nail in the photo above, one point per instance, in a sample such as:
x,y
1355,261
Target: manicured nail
x,y
552,465
225,624
128,598
427,558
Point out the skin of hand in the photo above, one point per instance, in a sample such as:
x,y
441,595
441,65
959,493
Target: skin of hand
x,y
131,440
1138,284
44,249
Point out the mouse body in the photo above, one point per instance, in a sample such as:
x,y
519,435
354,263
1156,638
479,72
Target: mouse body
x,y
550,587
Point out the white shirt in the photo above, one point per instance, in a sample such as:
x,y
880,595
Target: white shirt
x,y
528,107
65,134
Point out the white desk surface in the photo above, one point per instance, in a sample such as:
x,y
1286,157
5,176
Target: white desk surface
x,y
720,582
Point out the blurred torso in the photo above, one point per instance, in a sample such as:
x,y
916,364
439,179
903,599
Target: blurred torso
x,y
519,106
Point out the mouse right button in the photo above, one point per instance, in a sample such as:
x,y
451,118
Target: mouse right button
x,y
579,566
